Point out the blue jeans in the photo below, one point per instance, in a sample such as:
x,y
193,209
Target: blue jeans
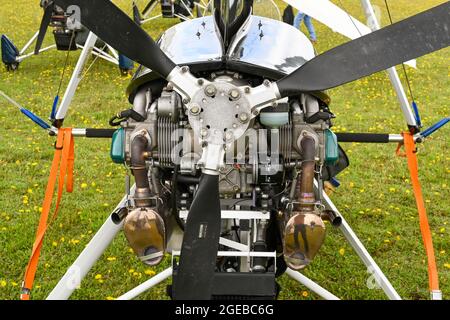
x,y
308,23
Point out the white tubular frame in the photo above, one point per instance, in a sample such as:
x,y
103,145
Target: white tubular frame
x,y
361,251
76,76
93,251
25,56
29,43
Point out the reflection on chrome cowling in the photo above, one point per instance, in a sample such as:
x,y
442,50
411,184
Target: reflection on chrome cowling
x,y
145,232
304,235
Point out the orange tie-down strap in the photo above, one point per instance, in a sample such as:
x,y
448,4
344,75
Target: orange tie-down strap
x,y
410,154
63,160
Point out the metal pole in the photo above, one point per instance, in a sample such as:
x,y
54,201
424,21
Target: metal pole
x,y
362,252
392,72
29,43
21,58
150,283
93,251
297,276
76,76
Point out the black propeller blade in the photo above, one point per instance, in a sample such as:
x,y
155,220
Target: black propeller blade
x,y
114,27
405,40
45,22
195,274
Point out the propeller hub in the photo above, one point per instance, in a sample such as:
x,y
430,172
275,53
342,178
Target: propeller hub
x,y
219,114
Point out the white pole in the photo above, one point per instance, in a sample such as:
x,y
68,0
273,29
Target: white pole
x,y
362,252
76,76
310,284
93,251
29,43
147,285
392,72
21,58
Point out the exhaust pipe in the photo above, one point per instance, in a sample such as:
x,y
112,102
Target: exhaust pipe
x,y
142,194
305,231
143,226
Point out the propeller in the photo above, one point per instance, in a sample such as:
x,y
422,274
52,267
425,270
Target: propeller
x,y
45,22
114,27
200,243
405,40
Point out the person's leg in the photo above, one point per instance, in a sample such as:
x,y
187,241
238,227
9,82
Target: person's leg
x,y
310,27
298,20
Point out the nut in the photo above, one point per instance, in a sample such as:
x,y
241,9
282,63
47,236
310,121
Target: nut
x,y
243,117
234,94
195,109
210,90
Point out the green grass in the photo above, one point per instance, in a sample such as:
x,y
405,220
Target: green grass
x,y
375,197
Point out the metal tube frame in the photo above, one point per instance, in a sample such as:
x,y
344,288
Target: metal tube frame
x,y
95,248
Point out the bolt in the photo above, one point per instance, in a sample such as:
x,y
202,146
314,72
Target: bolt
x,y
195,109
169,86
203,132
184,69
255,112
186,100
234,125
228,135
266,83
210,90
236,188
234,94
247,89
243,117
200,82
274,104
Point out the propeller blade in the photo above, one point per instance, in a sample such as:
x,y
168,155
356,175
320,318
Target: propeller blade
x,y
45,22
195,275
114,27
405,40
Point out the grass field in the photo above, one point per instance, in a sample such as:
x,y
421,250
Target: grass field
x,y
375,196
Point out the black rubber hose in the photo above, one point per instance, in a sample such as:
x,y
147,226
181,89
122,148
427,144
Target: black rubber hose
x,y
363,137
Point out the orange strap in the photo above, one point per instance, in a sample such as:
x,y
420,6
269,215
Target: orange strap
x,y
410,154
62,159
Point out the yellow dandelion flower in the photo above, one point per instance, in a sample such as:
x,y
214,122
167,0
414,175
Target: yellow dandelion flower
x,y
54,243
3,283
305,293
98,276
110,298
111,258
149,272
341,251
447,265
84,185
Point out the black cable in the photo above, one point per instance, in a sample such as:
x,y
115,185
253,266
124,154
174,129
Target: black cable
x,y
65,63
236,230
350,17
403,65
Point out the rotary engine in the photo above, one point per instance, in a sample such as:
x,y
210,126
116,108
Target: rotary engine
x,y
271,168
